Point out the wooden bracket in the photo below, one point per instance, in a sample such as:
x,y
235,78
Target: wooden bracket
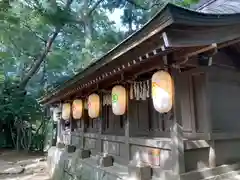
x,y
165,39
187,53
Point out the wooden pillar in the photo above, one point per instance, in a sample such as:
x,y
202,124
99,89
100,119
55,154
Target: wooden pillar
x,y
59,130
84,127
127,130
127,144
212,154
177,149
71,121
78,132
99,132
82,130
73,126
99,127
57,112
62,125
177,146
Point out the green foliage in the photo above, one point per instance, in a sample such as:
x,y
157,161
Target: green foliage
x,y
137,12
2,78
187,3
18,111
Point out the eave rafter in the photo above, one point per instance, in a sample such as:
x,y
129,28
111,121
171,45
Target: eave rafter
x,y
148,61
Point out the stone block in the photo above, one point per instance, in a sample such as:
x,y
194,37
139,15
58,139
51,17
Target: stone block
x,y
83,153
10,169
60,145
158,172
140,172
105,161
111,148
70,148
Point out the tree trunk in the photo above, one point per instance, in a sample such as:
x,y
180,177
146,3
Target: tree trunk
x,y
18,139
44,54
39,61
29,138
130,20
12,136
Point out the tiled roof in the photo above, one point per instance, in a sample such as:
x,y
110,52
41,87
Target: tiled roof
x,y
220,6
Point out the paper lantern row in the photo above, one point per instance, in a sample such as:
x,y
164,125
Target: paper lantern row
x,y
118,105
162,96
118,102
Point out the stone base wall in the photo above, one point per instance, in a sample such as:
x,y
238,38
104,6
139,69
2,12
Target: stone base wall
x,y
69,166
65,166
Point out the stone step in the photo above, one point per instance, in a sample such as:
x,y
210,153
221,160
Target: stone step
x,y
223,170
232,175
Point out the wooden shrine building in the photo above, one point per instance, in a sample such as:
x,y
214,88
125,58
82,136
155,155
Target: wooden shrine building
x,y
198,137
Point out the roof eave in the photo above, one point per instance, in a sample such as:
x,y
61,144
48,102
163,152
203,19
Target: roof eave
x,y
168,19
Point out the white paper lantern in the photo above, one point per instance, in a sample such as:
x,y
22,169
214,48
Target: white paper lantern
x,y
93,105
162,91
119,100
77,108
66,110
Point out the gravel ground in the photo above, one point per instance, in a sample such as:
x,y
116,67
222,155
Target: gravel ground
x,y
22,166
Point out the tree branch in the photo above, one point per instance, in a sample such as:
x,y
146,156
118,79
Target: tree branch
x,y
81,21
22,52
94,7
44,54
35,33
137,5
142,7
38,129
39,61
76,21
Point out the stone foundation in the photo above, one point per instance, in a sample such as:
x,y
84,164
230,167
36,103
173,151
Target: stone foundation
x,y
69,166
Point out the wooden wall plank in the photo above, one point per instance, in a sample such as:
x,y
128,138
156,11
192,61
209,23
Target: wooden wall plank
x,y
199,95
186,112
177,146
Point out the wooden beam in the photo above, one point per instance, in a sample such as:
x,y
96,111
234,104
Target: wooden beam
x,y
165,39
202,50
184,54
229,43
